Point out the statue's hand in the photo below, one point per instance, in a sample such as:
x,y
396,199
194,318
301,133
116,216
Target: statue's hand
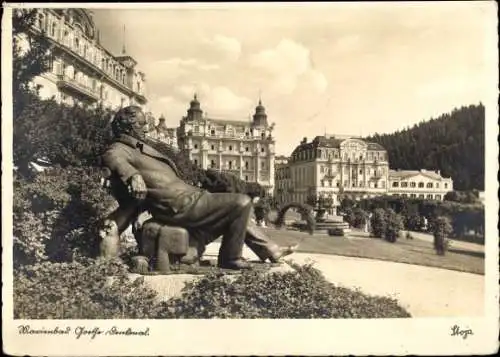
x,y
137,187
109,246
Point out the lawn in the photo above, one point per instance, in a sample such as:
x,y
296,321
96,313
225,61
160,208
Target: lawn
x,y
414,251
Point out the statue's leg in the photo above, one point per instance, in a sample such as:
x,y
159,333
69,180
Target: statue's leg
x,y
113,226
264,247
260,243
216,214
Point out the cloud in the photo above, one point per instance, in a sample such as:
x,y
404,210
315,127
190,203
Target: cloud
x,y
218,100
176,67
230,47
288,65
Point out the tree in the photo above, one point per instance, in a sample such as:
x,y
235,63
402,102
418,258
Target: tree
x,y
30,58
31,51
394,224
452,142
441,230
378,223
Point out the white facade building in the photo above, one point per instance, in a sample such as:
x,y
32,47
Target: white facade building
x,y
336,167
82,71
422,184
331,166
242,148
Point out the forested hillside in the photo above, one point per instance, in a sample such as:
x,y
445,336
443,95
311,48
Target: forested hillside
x,y
452,143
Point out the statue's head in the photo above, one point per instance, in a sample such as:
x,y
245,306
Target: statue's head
x,y
131,121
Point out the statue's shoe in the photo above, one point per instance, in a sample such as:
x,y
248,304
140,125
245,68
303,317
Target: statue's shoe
x,y
239,264
283,252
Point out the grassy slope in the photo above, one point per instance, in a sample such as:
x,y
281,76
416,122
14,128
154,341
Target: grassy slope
x,y
413,251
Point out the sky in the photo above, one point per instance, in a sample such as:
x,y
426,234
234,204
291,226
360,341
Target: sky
x,y
344,68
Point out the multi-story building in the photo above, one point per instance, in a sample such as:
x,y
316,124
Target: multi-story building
x,y
282,180
331,166
244,148
419,184
82,71
161,132
348,167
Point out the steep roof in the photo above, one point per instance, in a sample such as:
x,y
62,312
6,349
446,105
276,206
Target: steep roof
x,y
404,174
374,146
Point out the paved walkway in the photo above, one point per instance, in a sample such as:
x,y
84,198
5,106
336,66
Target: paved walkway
x,y
423,291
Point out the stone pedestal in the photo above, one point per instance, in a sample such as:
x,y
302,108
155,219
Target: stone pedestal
x,y
165,245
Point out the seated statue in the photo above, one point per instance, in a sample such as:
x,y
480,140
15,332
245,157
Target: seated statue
x,y
143,179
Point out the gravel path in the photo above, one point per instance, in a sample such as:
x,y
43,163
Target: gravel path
x,y
423,291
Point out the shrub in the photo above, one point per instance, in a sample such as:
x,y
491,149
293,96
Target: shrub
x,y
441,229
305,211
394,224
378,223
357,217
262,209
82,290
303,293
55,214
85,290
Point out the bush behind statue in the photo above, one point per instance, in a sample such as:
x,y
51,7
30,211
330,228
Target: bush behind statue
x,y
82,290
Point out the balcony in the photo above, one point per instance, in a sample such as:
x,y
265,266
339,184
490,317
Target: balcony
x,y
65,82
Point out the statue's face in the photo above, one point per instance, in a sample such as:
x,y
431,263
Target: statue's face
x,y
139,127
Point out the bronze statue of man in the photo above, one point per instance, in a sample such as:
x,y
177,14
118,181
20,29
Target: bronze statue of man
x,y
149,181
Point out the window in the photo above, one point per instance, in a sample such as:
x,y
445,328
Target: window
x,y
445,185
246,149
412,184
361,172
322,183
420,185
246,178
395,194
420,196
262,165
429,185
262,150
383,184
438,197
322,169
404,195
230,148
53,29
196,162
404,184
429,197
196,146
338,183
230,163
395,184
212,132
212,164
361,184
212,147
437,184
413,195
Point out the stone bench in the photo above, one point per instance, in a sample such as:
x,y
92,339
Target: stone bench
x,y
161,246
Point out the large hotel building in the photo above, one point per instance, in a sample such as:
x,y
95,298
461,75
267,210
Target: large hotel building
x,y
244,148
82,71
338,167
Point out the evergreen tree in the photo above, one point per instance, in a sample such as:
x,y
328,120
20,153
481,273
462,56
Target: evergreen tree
x,y
452,143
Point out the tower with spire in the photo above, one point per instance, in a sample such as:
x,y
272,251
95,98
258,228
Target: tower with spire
x,y
260,116
194,112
